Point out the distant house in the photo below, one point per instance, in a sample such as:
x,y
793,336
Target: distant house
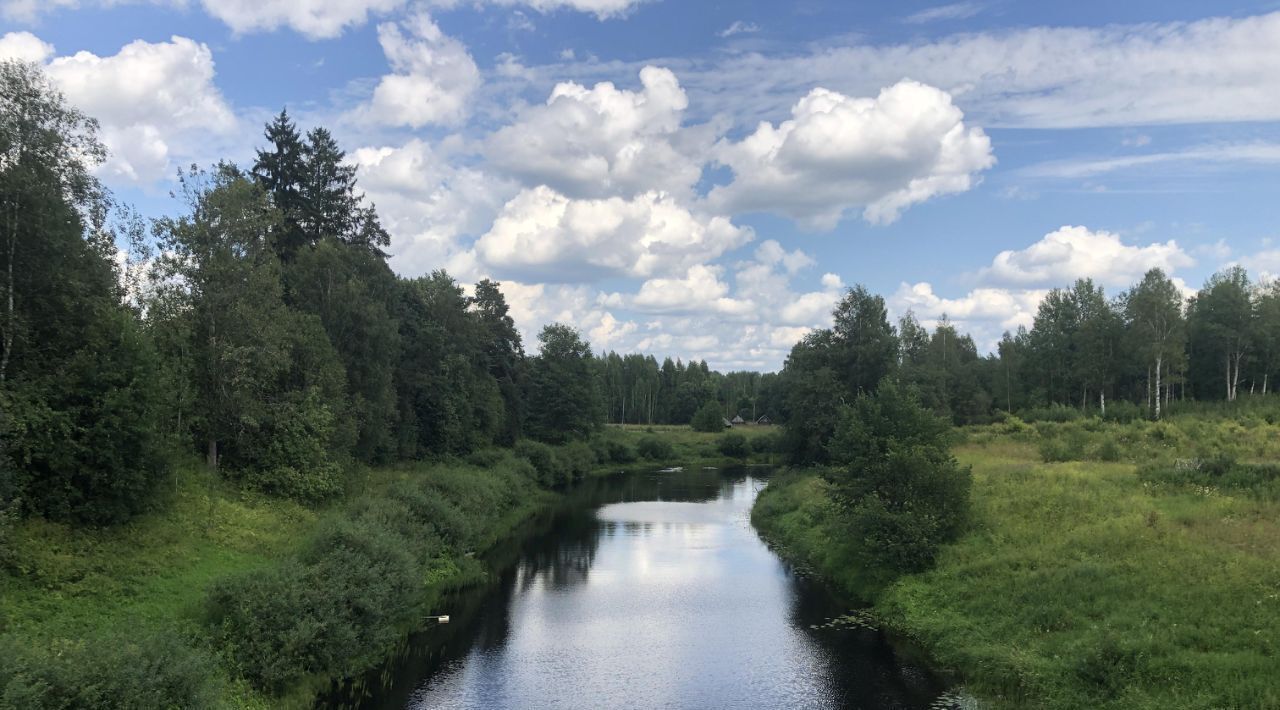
x,y
737,419
727,424
764,420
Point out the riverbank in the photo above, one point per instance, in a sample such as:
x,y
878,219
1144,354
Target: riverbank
x,y
1082,583
77,590
211,596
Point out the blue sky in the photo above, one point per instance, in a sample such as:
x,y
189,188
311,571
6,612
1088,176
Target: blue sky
x,y
703,179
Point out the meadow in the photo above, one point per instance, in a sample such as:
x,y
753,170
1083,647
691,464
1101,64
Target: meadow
x,y
1107,564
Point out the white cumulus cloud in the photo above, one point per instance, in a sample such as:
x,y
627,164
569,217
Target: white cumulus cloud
x,y
602,141
1071,253
542,232
433,76
429,204
837,153
25,47
156,101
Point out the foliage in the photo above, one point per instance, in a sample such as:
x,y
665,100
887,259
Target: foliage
x,y
734,445
564,395
708,418
902,493
356,586
655,448
770,443
1080,584
76,381
149,670
831,367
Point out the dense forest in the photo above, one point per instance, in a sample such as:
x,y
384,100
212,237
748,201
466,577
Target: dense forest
x,y
263,328
1121,358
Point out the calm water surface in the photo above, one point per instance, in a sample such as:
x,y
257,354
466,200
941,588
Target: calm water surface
x,y
649,590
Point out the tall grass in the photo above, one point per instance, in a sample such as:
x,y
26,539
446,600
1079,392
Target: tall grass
x,y
1084,583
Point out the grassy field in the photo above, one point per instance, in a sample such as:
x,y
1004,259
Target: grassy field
x,y
1082,583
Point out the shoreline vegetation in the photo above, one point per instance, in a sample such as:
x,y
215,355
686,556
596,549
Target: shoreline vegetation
x,y
1130,565
231,598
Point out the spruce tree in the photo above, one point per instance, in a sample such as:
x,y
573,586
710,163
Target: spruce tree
x,y
279,169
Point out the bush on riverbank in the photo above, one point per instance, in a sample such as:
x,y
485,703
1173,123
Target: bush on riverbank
x,y
1076,584
360,582
149,670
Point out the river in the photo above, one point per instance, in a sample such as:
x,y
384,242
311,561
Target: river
x,y
647,590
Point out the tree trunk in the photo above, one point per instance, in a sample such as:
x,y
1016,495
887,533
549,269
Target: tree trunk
x,y
10,319
1159,364
1102,403
1230,394
1149,388
211,458
1265,375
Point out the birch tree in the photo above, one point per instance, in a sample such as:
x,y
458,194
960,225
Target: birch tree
x,y
1153,315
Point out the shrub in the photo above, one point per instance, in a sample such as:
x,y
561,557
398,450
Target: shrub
x,y
619,452
734,445
655,448
1052,413
895,474
1108,450
1124,411
708,419
1065,445
316,485
770,443
486,458
146,670
1015,425
1219,471
575,461
336,610
542,458
435,514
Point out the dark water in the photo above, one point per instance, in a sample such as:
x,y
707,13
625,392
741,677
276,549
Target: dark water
x,y
646,590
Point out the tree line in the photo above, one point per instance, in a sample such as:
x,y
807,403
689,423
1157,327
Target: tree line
x,y
261,329
1123,357
637,390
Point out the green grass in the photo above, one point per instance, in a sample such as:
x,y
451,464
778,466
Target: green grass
x,y
694,448
72,581
65,586
1080,586
152,575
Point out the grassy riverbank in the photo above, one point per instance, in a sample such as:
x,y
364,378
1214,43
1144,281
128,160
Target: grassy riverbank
x,y
229,598
73,592
1101,582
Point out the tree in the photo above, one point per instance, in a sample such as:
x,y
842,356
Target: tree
x,y
564,394
1095,341
708,418
76,386
1153,316
865,349
831,367
1219,321
894,478
353,293
264,376
503,352
449,404
280,171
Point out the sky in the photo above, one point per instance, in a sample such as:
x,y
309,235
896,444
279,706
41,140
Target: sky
x,y
703,179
